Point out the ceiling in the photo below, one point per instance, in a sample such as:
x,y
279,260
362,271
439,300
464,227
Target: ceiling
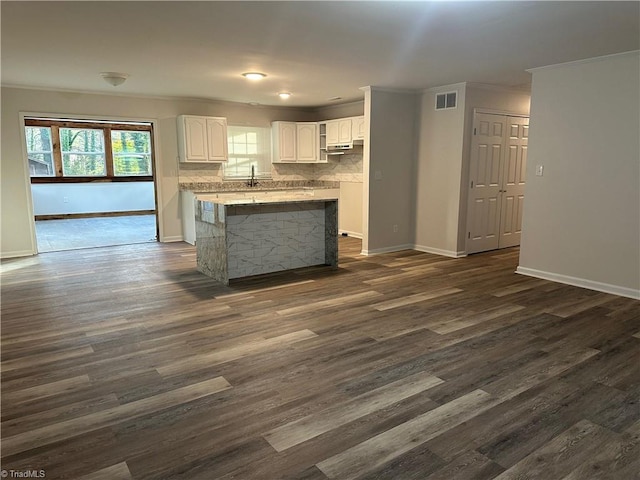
x,y
315,50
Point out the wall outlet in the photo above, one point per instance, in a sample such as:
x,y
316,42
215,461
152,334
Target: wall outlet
x,y
377,175
65,199
395,229
539,170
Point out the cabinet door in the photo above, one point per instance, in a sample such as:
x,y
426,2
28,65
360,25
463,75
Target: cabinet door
x,y
357,128
287,136
344,131
217,139
333,132
195,139
307,145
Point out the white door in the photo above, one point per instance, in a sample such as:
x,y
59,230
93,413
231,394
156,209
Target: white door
x,y
333,132
288,134
515,167
195,135
496,181
307,144
483,214
217,139
344,131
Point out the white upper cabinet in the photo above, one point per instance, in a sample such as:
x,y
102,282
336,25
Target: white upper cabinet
x,y
283,139
357,128
202,139
307,142
339,131
295,142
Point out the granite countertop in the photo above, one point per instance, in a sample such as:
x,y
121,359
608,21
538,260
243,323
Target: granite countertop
x,y
263,185
270,197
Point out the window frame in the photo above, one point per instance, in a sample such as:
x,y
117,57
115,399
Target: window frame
x,y
106,127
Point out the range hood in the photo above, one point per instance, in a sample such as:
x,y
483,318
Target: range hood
x,y
340,148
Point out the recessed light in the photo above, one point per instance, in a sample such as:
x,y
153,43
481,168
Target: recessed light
x,y
254,75
284,95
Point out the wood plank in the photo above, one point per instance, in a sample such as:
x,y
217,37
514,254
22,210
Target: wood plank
x,y
119,471
77,426
234,353
561,455
386,446
301,430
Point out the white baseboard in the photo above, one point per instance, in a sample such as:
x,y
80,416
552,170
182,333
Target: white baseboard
x,y
395,248
176,238
17,253
439,251
350,233
580,282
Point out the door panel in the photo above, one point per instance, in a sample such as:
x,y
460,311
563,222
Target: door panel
x,y
513,183
484,186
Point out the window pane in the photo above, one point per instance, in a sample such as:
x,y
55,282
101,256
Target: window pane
x,y
83,165
131,153
39,151
41,165
82,152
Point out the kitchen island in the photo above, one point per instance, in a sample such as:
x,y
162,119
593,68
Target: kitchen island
x,y
251,233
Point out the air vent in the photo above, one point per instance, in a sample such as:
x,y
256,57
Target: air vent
x,y
446,100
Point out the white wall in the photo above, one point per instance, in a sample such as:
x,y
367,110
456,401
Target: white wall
x,y
582,218
439,173
16,234
388,170
69,198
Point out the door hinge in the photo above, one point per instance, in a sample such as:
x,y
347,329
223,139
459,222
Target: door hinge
x,y
468,234
474,131
471,183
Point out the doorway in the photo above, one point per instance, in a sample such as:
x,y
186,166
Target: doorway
x,y
92,182
496,181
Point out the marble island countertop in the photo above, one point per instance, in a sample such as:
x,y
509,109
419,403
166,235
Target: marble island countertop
x,y
264,197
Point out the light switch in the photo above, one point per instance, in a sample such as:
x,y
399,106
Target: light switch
x,y
377,175
539,170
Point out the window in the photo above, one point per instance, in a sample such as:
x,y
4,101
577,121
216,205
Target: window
x,y
446,100
248,147
82,151
40,151
131,153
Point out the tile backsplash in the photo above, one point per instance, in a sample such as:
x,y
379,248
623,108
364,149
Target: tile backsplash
x,y
340,168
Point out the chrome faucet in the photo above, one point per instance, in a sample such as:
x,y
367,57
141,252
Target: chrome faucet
x,y
252,181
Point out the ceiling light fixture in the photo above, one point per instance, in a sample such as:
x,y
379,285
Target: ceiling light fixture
x,y
114,78
254,75
284,95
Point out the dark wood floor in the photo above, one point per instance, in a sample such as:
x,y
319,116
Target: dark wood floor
x,y
125,363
